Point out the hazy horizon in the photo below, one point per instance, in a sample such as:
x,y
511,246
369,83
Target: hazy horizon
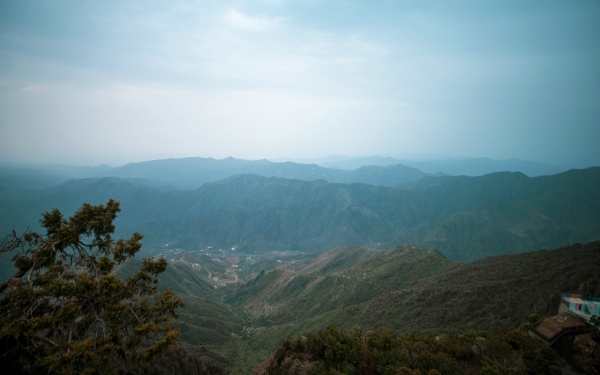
x,y
118,82
327,161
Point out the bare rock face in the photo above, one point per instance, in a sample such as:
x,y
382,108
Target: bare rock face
x,y
587,354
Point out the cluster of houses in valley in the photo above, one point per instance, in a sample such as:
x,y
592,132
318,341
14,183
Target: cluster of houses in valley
x,y
574,315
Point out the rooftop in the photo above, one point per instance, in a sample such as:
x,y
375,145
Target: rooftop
x,y
577,298
551,327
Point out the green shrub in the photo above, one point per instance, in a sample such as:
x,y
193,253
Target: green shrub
x,y
471,333
533,318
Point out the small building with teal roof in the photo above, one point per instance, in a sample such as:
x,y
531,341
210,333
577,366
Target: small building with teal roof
x,y
584,307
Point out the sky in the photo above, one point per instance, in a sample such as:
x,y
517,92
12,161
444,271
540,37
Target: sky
x,y
112,82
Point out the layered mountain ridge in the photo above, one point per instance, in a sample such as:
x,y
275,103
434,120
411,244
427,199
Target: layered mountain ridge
x,y
466,218
192,172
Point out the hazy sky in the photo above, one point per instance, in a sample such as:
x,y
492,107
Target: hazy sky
x,y
92,82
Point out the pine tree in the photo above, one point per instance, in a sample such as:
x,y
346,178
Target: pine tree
x,y
65,311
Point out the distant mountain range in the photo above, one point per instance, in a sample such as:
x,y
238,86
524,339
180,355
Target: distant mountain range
x,y
353,163
454,167
483,166
190,173
466,218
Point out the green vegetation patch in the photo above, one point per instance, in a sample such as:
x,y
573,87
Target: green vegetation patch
x,y
337,351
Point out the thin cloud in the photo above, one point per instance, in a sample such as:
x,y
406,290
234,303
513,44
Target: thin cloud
x,y
242,21
298,79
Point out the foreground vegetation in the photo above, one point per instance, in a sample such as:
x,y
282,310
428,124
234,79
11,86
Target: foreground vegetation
x,y
66,312
335,351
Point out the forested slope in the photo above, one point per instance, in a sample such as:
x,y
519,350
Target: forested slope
x,y
466,218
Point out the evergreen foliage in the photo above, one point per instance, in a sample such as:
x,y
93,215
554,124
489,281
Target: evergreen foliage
x,y
332,351
338,350
66,312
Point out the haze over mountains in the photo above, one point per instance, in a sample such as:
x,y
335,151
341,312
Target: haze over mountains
x,y
190,173
455,167
466,218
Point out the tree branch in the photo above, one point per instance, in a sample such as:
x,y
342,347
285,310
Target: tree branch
x,y
17,275
17,241
10,242
44,339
